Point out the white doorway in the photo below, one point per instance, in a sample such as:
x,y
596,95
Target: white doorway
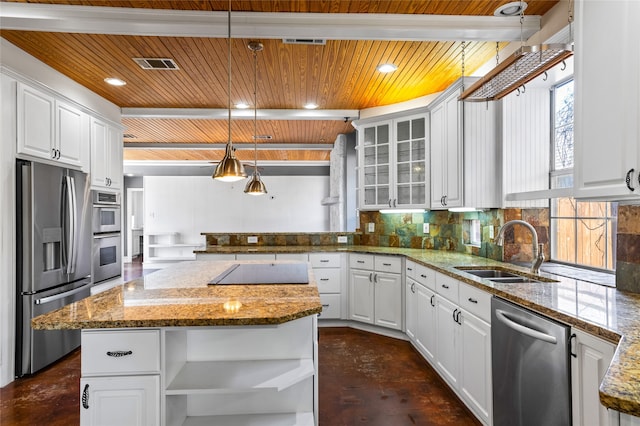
x,y
135,224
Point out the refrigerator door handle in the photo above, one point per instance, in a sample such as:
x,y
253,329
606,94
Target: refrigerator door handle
x,y
59,296
68,224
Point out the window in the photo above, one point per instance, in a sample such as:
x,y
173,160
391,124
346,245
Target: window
x,y
582,233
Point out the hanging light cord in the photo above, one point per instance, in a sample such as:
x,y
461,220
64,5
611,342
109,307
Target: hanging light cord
x,y
229,71
255,110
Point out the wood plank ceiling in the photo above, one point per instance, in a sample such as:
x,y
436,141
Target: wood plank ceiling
x,y
339,75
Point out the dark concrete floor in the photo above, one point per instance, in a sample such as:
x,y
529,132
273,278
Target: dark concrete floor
x,y
364,379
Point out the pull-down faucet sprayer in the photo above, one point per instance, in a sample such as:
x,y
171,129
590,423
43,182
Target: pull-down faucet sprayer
x,y
537,249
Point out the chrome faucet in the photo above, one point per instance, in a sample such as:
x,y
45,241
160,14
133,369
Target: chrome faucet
x,y
538,249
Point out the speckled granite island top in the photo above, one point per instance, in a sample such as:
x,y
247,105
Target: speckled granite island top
x,y
180,296
599,310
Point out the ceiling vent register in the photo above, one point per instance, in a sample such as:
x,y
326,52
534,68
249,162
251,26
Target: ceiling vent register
x,y
312,41
157,64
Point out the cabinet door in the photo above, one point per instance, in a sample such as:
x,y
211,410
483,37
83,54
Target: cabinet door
x,y
587,370
114,147
437,133
475,366
411,148
607,135
388,300
411,308
375,166
452,151
125,400
361,295
72,135
426,329
99,154
447,356
35,117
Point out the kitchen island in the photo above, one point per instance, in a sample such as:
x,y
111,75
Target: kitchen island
x,y
171,349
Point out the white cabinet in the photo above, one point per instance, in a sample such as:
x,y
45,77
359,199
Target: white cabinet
x,y
51,128
426,330
328,272
588,367
167,247
120,381
607,129
447,149
463,347
375,290
392,162
106,155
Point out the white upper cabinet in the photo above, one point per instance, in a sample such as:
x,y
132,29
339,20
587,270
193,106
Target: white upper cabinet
x,y
607,98
106,155
392,162
447,149
51,129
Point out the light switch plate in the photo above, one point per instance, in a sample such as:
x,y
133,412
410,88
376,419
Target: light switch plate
x,y
425,228
491,234
371,227
252,240
342,240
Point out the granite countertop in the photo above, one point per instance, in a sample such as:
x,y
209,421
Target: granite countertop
x,y
180,296
599,310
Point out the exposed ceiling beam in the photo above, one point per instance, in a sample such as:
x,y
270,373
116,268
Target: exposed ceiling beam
x,y
247,114
238,146
263,25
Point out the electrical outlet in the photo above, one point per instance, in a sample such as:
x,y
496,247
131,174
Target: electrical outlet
x,y
371,227
252,240
491,233
425,228
342,240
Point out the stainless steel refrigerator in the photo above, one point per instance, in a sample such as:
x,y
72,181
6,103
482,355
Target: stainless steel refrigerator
x,y
53,257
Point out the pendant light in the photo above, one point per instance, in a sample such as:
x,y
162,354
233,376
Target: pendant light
x,y
255,186
230,169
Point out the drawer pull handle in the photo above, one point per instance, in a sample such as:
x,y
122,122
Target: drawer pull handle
x,y
85,397
324,279
473,300
423,275
444,286
325,306
359,261
409,269
324,260
386,264
118,354
433,296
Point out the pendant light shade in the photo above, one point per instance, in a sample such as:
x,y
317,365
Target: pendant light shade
x,y
230,169
255,186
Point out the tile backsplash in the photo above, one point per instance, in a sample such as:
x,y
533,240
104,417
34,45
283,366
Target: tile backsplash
x,y
628,249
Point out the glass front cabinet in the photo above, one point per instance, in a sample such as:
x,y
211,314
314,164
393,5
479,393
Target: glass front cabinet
x,y
392,162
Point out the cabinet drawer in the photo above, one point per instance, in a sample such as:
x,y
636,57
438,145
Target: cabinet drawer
x,y
125,352
325,260
476,301
330,306
388,264
410,269
361,261
447,287
426,277
328,280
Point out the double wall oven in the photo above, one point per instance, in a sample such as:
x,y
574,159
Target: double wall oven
x,y
107,237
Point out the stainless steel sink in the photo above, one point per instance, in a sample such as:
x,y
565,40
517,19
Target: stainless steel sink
x,y
513,280
488,273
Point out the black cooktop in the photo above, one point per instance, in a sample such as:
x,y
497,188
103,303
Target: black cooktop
x,y
263,273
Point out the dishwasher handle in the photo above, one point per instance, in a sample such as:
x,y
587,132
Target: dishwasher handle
x,y
503,316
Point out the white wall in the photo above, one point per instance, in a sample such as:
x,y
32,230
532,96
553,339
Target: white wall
x,y
194,204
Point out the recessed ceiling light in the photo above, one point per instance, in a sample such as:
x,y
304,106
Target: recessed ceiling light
x,y
242,105
311,105
514,8
385,68
115,81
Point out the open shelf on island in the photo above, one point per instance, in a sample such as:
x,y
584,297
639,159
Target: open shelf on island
x,y
279,419
206,377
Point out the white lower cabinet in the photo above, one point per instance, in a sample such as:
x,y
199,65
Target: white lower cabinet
x,y
375,292
588,367
126,400
241,375
426,330
328,272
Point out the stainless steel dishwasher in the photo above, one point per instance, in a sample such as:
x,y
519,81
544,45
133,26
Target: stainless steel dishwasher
x,y
531,368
